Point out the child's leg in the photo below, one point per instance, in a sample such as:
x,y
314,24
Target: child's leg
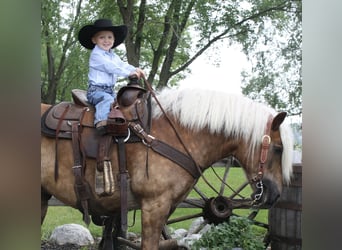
x,y
102,102
103,108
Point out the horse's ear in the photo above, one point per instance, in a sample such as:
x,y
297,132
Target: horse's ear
x,y
277,120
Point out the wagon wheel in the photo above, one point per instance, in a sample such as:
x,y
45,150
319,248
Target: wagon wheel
x,y
221,200
216,206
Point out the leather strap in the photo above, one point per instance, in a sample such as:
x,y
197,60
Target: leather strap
x,y
123,185
265,145
176,156
266,141
105,143
56,145
167,151
80,187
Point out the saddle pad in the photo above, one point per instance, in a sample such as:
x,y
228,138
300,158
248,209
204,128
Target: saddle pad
x,y
67,113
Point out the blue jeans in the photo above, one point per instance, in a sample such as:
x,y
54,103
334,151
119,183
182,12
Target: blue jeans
x,y
101,98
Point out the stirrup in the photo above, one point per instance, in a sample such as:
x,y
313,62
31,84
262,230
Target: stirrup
x,y
104,181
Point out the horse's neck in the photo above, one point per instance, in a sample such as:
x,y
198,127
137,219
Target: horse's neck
x,y
205,148
217,147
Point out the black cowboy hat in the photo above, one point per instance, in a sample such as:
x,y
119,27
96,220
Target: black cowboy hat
x,y
87,32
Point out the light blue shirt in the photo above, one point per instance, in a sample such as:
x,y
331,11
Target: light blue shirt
x,y
105,67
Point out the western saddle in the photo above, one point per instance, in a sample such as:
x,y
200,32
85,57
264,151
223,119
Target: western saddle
x,y
75,121
130,113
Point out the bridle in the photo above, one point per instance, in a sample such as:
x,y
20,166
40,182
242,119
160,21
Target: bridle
x,y
265,145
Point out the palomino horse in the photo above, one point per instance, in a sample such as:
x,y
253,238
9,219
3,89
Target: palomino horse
x,y
211,126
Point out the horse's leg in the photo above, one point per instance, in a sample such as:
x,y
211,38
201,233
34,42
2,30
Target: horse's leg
x,y
110,233
107,238
117,232
154,216
45,197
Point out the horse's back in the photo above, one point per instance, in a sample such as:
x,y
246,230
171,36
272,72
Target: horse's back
x,y
43,108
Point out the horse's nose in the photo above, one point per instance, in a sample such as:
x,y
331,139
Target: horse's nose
x,y
272,192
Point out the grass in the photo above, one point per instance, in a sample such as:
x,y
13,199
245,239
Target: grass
x,y
59,215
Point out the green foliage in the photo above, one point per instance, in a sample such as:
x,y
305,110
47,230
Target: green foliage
x,y
64,62
274,50
238,232
165,37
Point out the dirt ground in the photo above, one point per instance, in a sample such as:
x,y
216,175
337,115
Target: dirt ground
x,y
46,245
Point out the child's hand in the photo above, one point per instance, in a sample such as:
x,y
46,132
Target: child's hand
x,y
138,73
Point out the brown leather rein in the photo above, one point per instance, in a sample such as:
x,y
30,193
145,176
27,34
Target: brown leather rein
x,y
186,161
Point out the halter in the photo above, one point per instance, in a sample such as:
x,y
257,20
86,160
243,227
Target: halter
x,y
265,145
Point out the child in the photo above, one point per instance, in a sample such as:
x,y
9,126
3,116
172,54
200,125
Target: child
x,y
104,66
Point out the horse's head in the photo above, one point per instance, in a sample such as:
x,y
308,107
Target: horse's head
x,y
237,126
271,162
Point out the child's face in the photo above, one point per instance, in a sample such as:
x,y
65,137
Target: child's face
x,y
104,39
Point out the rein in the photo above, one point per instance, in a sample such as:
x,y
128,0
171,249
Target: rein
x,y
167,117
200,172
265,144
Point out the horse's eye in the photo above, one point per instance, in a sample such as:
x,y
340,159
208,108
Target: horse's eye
x,y
278,148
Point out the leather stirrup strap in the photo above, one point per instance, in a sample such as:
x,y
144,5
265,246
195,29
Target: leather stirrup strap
x,y
103,151
123,185
80,187
56,141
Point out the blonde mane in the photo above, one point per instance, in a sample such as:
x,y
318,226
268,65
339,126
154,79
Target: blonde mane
x,y
230,114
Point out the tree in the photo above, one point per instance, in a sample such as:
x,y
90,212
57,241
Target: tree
x,y
63,62
275,52
165,37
